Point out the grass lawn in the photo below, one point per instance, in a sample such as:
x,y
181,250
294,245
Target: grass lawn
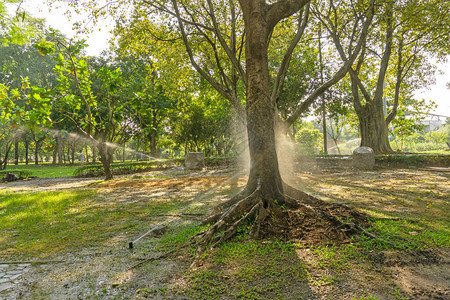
x,y
94,224
45,170
44,223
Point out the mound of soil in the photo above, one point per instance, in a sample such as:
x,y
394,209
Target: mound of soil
x,y
313,225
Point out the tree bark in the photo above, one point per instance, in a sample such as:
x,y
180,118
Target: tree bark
x,y
16,150
36,154
71,153
372,123
27,144
153,135
106,157
373,129
261,110
4,163
59,153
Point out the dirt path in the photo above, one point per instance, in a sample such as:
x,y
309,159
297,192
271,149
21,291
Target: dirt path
x,y
47,184
103,271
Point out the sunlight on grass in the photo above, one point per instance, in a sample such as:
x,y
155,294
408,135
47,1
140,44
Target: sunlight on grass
x,y
404,234
43,223
33,221
45,171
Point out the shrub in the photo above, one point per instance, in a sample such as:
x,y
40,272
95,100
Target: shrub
x,y
126,168
308,140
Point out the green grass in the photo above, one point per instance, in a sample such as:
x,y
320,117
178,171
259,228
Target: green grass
x,y
34,222
43,223
248,269
336,257
441,151
403,234
45,170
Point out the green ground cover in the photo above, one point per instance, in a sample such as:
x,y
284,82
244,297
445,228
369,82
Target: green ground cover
x,y
44,170
409,209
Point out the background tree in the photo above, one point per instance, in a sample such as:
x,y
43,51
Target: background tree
x,y
395,54
15,28
205,123
409,119
157,75
90,99
308,138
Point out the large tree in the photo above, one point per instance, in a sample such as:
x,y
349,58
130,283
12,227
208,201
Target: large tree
x,y
265,187
227,43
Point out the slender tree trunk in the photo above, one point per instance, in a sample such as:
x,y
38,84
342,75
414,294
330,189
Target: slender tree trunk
x,y
106,157
324,111
71,153
59,152
153,135
4,163
87,153
26,151
16,151
94,154
36,154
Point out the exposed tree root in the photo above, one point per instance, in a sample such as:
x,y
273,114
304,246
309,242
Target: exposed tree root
x,y
245,209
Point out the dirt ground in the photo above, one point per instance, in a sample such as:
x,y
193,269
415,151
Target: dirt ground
x,y
104,272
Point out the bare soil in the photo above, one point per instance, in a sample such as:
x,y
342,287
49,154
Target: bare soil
x,y
104,272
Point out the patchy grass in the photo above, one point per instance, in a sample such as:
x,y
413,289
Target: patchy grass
x,y
409,211
410,208
404,234
34,223
44,223
248,269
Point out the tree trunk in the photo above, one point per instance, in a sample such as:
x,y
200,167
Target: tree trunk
x,y
106,157
372,123
4,163
59,153
264,169
265,187
87,153
16,150
373,128
72,152
36,154
94,154
26,151
153,135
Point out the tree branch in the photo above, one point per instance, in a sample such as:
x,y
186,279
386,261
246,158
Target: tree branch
x,y
278,84
224,44
341,72
221,89
283,9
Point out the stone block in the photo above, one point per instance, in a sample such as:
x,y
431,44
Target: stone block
x,y
5,286
194,161
363,158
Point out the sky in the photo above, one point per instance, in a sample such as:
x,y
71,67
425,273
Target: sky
x,y
55,17
98,41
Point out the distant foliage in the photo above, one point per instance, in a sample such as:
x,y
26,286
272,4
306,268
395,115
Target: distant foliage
x,y
309,140
125,168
